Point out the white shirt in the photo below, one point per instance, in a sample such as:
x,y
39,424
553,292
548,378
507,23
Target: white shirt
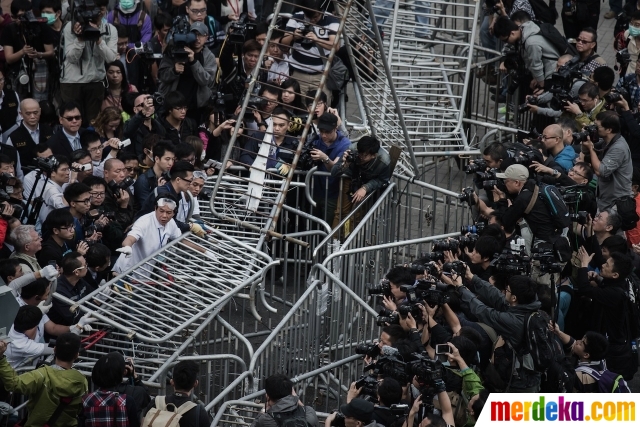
x,y
53,199
98,167
279,71
27,183
150,236
22,347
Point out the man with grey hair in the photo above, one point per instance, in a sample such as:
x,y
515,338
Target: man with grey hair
x,y
27,243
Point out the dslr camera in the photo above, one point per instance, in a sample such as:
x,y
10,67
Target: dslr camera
x,y
116,188
478,165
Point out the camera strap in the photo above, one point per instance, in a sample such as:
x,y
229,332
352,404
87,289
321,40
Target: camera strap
x,y
532,202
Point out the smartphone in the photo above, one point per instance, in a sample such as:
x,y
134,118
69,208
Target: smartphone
x,y
443,348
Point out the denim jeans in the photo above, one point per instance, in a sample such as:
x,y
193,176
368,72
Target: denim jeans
x,y
382,9
486,39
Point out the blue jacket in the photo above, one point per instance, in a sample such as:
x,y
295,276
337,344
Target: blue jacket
x,y
337,149
566,158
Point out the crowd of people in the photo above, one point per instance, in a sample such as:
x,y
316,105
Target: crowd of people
x,y
113,115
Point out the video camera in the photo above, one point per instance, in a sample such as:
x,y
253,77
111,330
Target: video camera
x,y
561,82
86,12
46,164
512,262
238,30
547,259
7,182
31,27
180,37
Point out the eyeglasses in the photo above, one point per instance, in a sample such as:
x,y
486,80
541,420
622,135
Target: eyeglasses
x,y
95,149
583,41
573,171
198,11
98,195
73,118
85,201
80,268
185,179
130,168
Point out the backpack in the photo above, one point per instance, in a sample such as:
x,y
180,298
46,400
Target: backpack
x,y
633,303
608,382
160,416
295,418
544,12
559,212
539,341
557,40
560,376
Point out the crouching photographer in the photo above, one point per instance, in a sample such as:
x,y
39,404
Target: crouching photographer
x,y
529,201
389,410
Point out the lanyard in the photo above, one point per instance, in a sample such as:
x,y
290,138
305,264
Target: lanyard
x,y
185,208
236,10
161,237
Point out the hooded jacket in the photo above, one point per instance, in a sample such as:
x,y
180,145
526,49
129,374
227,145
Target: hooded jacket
x,y
540,56
286,404
45,386
372,175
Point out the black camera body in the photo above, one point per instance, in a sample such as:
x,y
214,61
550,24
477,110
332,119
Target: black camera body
x,y
445,245
590,131
455,267
478,165
616,95
473,228
368,385
31,27
117,188
305,42
382,288
306,162
86,12
371,350
238,30
429,267
46,164
580,217
467,196
352,157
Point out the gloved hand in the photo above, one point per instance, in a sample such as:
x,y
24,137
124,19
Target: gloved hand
x,y
83,324
197,230
284,169
209,254
125,250
44,308
49,272
104,293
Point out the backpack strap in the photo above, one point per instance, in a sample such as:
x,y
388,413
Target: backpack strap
x,y
161,402
493,335
141,17
533,200
64,402
186,407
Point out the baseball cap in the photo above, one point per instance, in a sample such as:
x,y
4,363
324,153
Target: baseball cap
x,y
360,409
515,172
200,28
327,121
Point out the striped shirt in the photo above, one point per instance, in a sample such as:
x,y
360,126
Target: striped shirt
x,y
309,61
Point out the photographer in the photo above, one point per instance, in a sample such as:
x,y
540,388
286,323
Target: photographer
x,y
603,77
357,413
368,173
117,200
481,256
630,129
311,33
563,155
113,231
520,189
608,299
235,72
86,49
194,77
142,123
282,399
539,55
177,125
547,96
389,393
614,169
588,106
27,47
197,12
631,84
79,200
329,147
506,313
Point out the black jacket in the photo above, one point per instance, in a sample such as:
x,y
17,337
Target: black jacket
x,y
135,130
607,305
60,145
187,128
539,219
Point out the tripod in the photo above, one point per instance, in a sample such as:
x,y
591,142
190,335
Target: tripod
x,y
31,216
